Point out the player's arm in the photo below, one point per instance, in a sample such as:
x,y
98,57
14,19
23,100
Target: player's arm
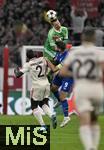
x,y
19,72
101,60
52,67
72,12
102,67
65,40
52,40
85,15
66,70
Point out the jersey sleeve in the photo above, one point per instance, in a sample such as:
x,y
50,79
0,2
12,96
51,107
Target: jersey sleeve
x,y
101,55
68,59
50,38
25,68
72,14
66,34
85,15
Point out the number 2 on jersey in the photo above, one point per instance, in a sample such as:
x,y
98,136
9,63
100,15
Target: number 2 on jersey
x,y
41,73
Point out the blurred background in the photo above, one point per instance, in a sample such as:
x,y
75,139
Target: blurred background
x,y
22,22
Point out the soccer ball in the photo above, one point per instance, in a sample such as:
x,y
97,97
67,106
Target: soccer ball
x,y
51,15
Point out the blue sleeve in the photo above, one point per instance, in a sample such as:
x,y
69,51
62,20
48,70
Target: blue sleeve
x,y
56,56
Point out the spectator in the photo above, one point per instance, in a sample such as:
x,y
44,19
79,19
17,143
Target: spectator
x,y
78,21
101,7
102,21
31,13
99,36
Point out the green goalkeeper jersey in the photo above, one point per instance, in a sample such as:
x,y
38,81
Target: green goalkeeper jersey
x,y
49,46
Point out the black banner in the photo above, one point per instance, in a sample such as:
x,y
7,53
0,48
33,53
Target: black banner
x,y
24,137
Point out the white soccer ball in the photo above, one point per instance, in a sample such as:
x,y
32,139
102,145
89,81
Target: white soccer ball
x,y
51,15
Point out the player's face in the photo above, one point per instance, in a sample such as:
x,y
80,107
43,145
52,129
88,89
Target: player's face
x,y
57,25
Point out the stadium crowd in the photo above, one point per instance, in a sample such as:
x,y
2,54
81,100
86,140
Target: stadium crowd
x,y
18,16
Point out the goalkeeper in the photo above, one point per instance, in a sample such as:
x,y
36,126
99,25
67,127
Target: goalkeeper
x,y
56,33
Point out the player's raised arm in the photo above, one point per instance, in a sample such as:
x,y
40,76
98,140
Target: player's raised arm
x,y
101,61
19,72
51,66
72,12
52,39
85,14
65,40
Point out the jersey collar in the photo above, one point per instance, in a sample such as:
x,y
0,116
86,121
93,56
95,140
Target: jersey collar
x,y
57,30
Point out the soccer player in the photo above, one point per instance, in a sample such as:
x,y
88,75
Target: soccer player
x,y
56,33
61,86
87,65
37,67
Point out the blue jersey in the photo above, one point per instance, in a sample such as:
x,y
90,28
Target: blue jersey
x,y
60,56
65,83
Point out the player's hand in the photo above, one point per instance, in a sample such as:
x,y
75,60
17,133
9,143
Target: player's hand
x,y
46,60
16,70
56,38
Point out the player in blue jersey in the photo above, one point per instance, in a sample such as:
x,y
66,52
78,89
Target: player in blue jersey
x,y
61,86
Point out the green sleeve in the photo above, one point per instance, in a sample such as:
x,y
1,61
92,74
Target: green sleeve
x,y
65,40
50,38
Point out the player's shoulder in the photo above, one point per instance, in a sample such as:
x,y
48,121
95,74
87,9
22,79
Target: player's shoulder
x,y
51,31
82,48
26,65
99,51
63,27
95,49
75,49
40,58
90,50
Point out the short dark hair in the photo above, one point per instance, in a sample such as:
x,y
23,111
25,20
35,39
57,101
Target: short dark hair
x,y
30,54
88,34
61,45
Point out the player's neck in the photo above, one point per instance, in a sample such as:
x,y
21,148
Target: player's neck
x,y
57,30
